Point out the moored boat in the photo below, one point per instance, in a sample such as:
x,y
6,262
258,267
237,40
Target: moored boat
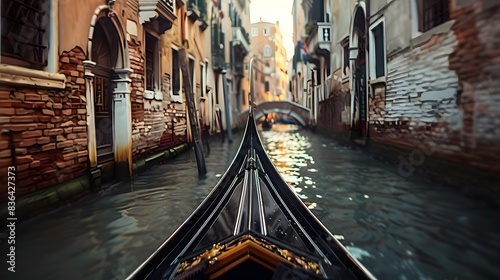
x,y
251,226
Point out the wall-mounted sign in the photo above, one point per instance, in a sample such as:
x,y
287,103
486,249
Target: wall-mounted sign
x,y
324,33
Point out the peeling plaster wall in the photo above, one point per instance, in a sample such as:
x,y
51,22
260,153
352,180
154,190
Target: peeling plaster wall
x,y
159,121
442,90
420,86
76,21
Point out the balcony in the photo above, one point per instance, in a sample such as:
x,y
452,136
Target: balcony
x,y
193,13
241,40
162,11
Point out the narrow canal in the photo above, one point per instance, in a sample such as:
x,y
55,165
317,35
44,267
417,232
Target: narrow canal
x,y
399,228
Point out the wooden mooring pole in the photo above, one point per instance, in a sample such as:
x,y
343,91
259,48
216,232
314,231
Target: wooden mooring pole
x,y
193,119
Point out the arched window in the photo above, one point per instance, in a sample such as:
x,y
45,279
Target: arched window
x,y
267,50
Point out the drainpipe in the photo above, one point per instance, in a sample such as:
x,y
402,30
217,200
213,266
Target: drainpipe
x,y
227,106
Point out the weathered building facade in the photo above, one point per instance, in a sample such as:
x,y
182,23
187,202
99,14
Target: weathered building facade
x,y
415,75
92,91
230,51
311,61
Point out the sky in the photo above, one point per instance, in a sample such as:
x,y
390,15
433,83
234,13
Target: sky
x,y
272,11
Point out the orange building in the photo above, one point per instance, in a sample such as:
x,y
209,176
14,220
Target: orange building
x,y
267,46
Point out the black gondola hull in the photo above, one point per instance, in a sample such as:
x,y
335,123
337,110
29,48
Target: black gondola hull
x,y
251,201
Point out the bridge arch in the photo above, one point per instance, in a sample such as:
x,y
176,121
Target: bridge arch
x,y
299,113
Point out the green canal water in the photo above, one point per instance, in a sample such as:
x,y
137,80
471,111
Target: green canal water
x,y
399,228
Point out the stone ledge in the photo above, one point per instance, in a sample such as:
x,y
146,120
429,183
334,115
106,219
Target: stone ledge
x,y
426,36
33,204
378,80
55,196
145,162
21,76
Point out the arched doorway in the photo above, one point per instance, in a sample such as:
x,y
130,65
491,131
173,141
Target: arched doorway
x,y
105,59
358,66
108,95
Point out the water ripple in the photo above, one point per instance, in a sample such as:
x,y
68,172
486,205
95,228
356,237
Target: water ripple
x,y
400,228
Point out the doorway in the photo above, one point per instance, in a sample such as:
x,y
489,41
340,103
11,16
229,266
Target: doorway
x,y
105,60
360,112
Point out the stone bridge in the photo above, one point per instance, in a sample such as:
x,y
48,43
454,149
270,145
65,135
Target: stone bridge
x,y
297,112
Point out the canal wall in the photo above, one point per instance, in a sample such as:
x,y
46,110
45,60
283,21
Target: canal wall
x,y
334,113
54,196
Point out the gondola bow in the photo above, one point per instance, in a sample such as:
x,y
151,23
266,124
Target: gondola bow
x,y
251,226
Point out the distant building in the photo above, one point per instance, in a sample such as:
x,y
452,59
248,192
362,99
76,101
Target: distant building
x,y
267,46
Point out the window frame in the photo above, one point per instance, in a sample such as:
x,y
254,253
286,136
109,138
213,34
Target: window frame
x,y
344,43
49,60
192,69
264,50
176,96
255,31
424,6
266,31
150,58
202,79
372,50
155,91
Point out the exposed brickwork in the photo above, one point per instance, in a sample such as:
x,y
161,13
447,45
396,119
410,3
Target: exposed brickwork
x,y
156,125
46,138
137,77
476,60
444,93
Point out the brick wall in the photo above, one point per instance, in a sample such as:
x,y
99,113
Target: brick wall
x,y
441,97
46,129
156,124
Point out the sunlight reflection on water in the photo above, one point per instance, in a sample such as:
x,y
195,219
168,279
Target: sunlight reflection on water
x,y
408,230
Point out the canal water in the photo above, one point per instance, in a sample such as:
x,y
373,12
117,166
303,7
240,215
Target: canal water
x,y
399,228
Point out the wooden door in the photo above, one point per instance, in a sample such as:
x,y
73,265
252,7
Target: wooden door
x,y
103,115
